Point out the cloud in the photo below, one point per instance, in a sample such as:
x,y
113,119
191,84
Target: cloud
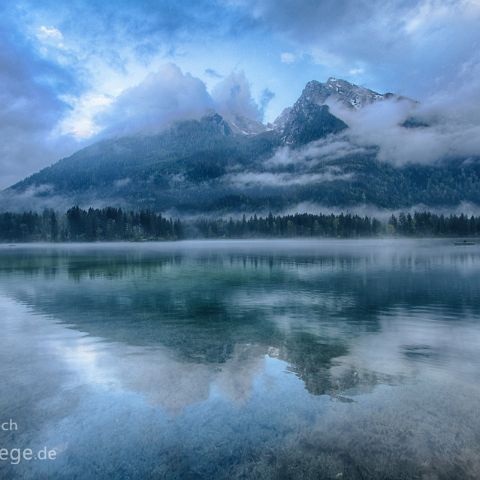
x,y
266,97
212,73
269,179
333,147
82,124
73,69
233,98
49,33
288,57
403,45
300,166
161,98
356,71
169,95
449,128
452,116
30,109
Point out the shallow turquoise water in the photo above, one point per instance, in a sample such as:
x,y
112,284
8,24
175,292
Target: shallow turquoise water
x,y
261,359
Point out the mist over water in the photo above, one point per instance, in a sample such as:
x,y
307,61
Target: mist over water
x,y
242,359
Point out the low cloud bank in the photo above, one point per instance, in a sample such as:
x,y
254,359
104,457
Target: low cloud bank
x,y
269,179
333,147
445,126
383,214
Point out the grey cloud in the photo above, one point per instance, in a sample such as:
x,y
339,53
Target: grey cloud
x,y
331,22
265,98
142,27
232,97
29,111
212,73
33,198
409,45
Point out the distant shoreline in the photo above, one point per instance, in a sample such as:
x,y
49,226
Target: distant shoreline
x,y
114,225
469,240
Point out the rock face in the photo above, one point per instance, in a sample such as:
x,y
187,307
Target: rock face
x,y
308,121
245,126
281,120
218,124
349,95
310,118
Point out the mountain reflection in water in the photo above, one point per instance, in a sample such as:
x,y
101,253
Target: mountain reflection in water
x,y
259,359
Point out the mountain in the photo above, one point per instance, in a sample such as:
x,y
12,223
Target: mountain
x,y
224,165
349,95
307,121
244,125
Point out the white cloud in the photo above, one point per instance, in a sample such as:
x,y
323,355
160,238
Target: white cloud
x,y
161,98
288,57
325,57
356,71
233,97
53,33
51,37
81,122
326,149
268,179
452,115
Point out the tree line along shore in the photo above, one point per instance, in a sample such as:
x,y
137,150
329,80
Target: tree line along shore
x,y
116,224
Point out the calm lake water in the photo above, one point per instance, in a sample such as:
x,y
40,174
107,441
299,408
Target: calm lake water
x,y
261,359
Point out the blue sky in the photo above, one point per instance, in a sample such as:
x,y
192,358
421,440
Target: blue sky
x,y
74,71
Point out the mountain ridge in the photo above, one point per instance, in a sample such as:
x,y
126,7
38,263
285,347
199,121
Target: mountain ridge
x,y
210,165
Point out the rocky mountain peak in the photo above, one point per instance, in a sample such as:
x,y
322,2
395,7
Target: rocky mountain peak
x,y
244,125
218,123
348,94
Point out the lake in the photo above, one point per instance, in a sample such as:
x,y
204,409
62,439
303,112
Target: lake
x,y
241,359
